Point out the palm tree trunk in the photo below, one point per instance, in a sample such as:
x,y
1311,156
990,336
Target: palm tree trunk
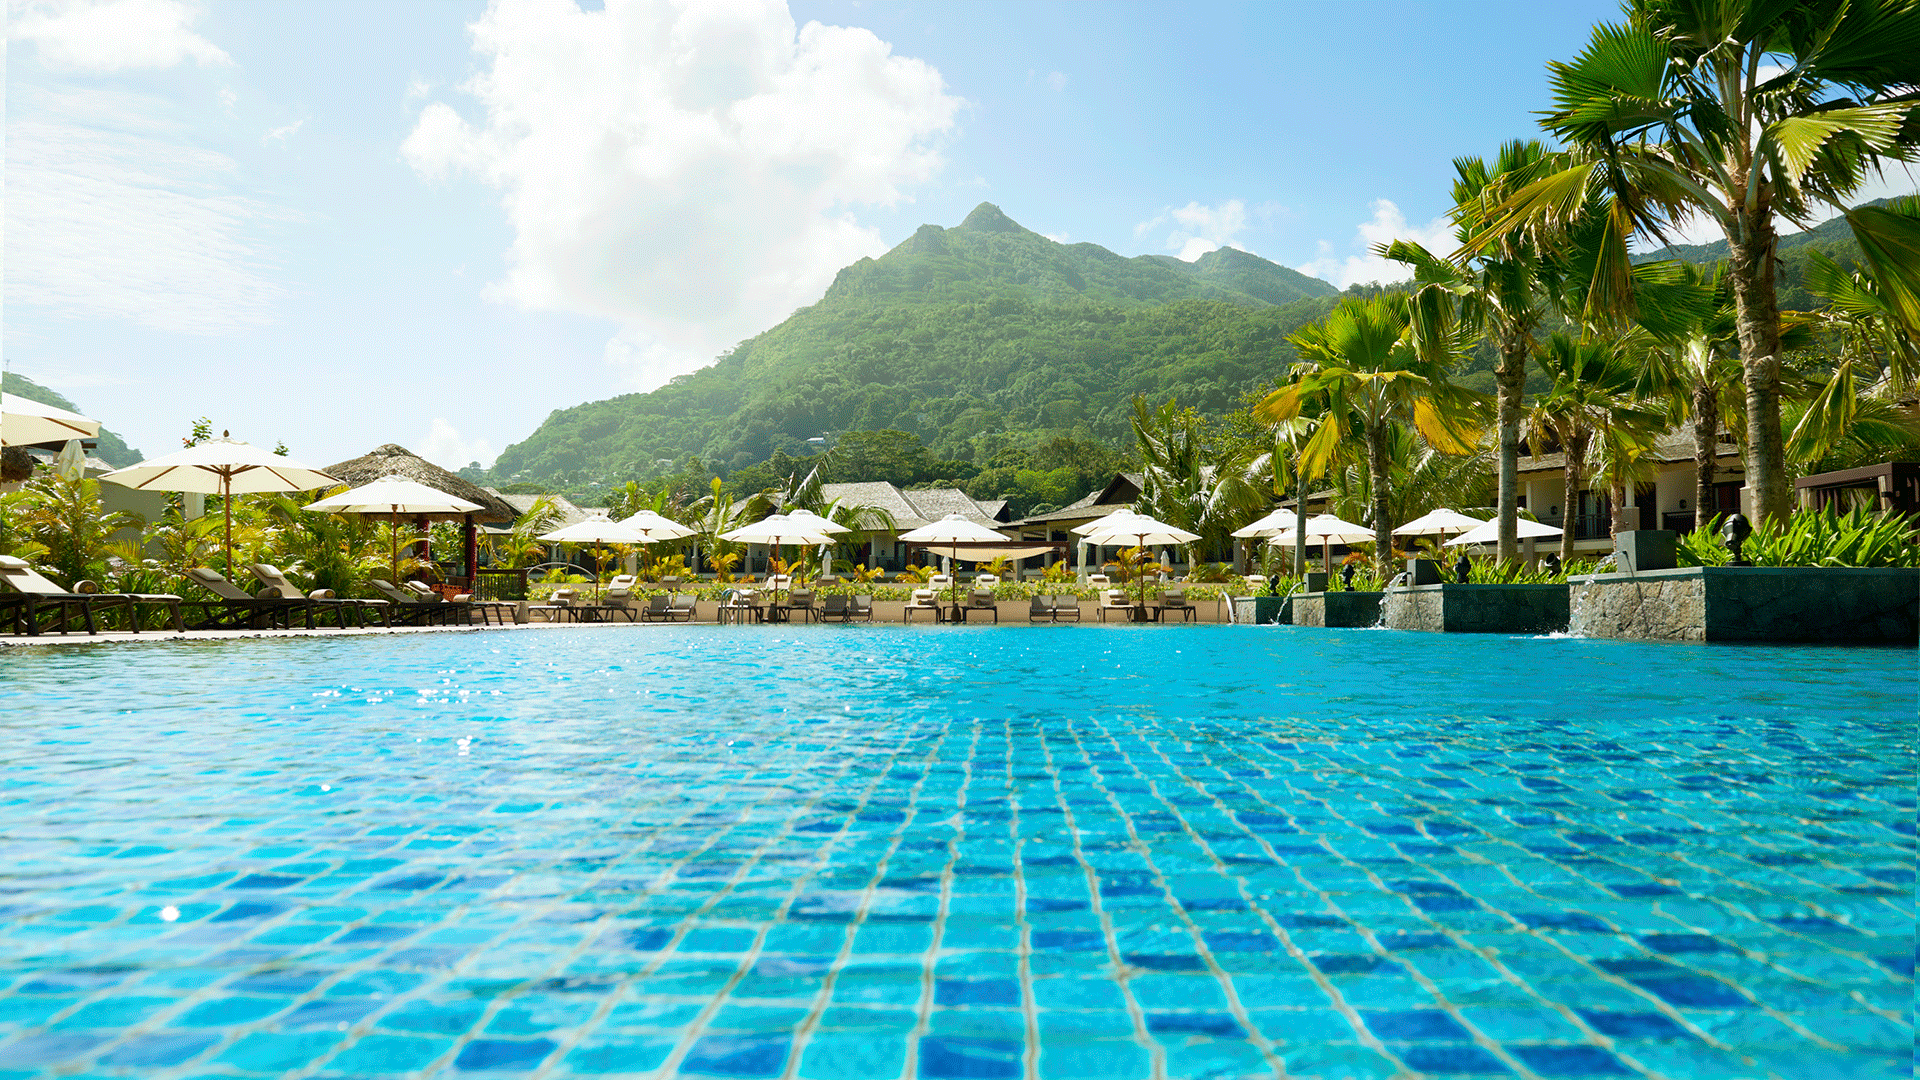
x,y
1300,529
1510,383
1758,312
1382,512
1706,438
1576,453
1618,496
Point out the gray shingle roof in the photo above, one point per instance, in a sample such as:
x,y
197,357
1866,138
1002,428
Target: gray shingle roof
x,y
912,509
1672,447
569,513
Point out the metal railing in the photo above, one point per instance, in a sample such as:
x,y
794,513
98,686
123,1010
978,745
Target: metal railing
x,y
492,584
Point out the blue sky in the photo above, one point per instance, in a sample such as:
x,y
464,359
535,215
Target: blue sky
x,y
343,224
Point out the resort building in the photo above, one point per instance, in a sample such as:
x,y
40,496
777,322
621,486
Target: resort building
x,y
910,509
1666,501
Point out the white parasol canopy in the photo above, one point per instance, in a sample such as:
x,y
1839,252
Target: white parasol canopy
x,y
24,422
1277,522
816,522
1101,523
1438,523
953,530
656,526
775,530
225,467
1329,529
1489,532
1142,530
396,497
595,531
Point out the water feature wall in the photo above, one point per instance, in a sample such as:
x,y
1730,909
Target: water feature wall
x,y
1749,603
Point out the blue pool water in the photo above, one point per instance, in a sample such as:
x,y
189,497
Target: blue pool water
x,y
855,853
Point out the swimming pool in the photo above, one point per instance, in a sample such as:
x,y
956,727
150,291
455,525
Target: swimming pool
x,y
865,852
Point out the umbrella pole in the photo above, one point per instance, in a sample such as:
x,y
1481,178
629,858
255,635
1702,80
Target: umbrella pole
x,y
393,543
226,505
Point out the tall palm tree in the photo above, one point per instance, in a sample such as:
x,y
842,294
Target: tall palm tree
x,y
1593,395
1506,284
1744,111
1364,364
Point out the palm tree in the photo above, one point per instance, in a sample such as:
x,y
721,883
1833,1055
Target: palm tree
x,y
1363,362
1188,483
1506,284
1742,111
1593,396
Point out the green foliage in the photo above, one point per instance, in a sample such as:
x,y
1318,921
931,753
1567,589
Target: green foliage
x,y
1814,537
67,519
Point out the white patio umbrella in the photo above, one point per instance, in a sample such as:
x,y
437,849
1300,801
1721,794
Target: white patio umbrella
x,y
595,530
1329,529
822,524
1438,523
24,422
774,530
953,530
656,526
1489,532
1143,530
397,497
1100,524
226,467
1273,524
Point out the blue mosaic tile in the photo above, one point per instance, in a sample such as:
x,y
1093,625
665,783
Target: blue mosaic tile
x,y
804,891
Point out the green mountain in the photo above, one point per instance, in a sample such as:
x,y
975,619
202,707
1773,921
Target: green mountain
x,y
111,449
974,338
1832,237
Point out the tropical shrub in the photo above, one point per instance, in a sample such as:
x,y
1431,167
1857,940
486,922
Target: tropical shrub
x,y
1813,537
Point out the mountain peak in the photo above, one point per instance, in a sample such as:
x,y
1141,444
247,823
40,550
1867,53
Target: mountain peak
x,y
988,218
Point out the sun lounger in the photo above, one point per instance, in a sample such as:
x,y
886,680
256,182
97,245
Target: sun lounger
x,y
1066,608
861,607
800,601
833,607
242,608
1175,600
981,601
923,600
273,578
620,591
35,591
413,608
464,605
1098,581
1040,607
1114,600
683,607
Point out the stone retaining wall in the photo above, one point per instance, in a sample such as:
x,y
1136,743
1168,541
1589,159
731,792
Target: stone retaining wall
x,y
1478,609
1336,609
1750,603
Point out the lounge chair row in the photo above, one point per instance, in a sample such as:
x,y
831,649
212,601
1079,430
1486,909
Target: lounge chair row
x,y
37,605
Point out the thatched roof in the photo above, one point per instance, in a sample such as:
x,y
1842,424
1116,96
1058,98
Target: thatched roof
x,y
396,460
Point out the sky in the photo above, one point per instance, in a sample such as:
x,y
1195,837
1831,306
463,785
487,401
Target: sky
x,y
341,224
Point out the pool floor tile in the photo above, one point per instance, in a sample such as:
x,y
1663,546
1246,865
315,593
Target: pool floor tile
x,y
870,872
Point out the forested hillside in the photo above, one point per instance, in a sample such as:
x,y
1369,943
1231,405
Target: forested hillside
x,y
968,337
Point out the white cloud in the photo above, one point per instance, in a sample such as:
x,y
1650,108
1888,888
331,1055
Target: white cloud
x,y
282,134
1196,229
113,35
1058,238
112,212
1388,224
447,448
688,170
1057,81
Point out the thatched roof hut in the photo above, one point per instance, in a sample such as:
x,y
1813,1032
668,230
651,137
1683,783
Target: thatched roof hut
x,y
396,460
